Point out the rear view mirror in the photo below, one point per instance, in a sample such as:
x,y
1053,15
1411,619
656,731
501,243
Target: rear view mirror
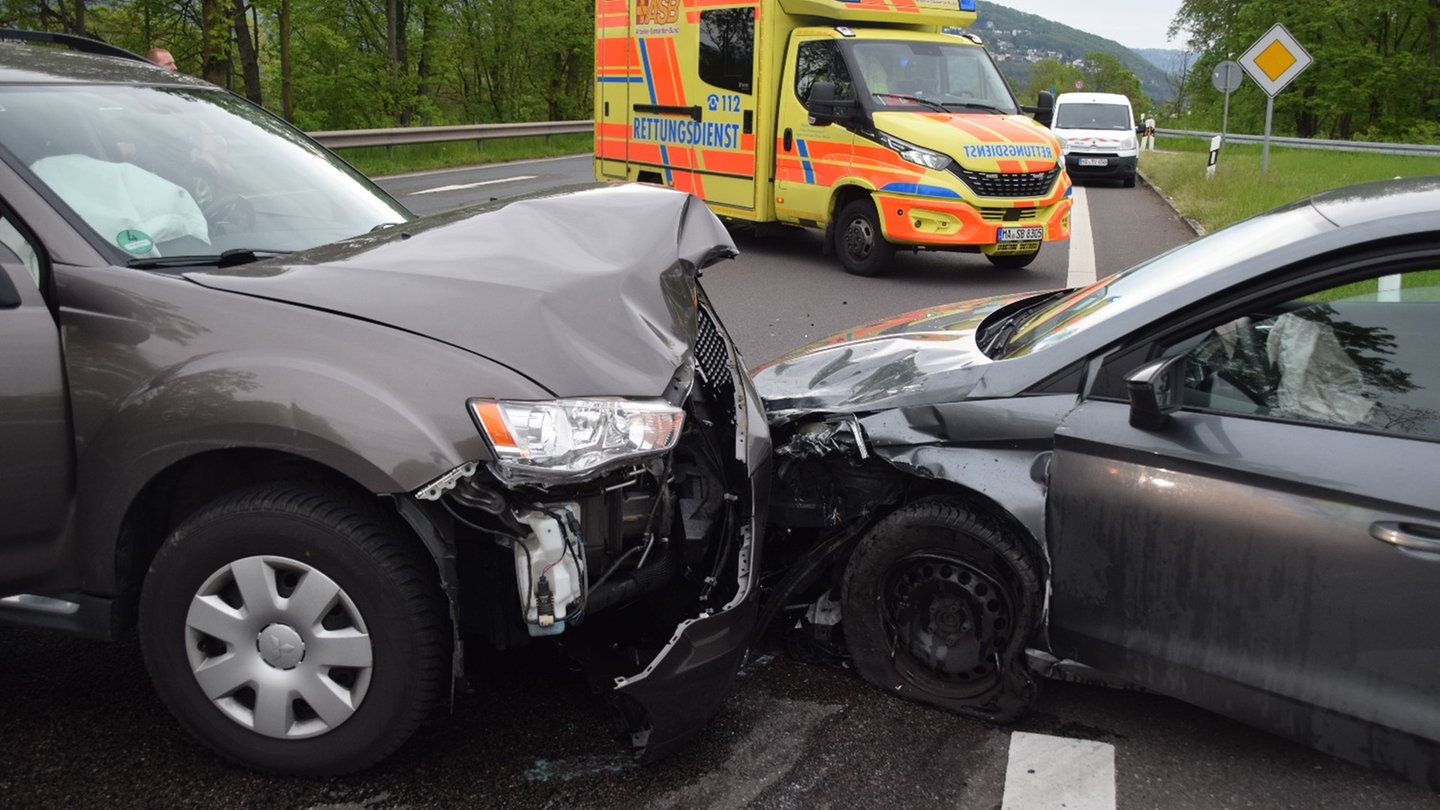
x,y
1044,108
1156,390
824,107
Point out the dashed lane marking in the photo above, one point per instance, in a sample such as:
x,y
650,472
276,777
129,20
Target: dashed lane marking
x,y
1055,773
463,186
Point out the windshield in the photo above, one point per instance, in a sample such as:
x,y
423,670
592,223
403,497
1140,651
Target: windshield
x,y
1071,115
1087,307
164,171
954,76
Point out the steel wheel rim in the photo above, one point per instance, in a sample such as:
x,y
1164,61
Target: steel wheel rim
x,y
278,647
859,239
948,621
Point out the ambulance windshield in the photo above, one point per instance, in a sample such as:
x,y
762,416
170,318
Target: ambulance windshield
x,y
930,76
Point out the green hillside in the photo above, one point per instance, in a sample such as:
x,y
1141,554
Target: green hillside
x,y
1017,39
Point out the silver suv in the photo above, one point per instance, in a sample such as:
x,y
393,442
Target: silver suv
x,y
314,446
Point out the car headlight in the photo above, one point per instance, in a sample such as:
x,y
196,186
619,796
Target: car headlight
x,y
569,438
916,154
1129,143
1064,145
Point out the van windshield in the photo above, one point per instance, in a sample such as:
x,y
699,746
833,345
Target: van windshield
x,y
929,76
1088,115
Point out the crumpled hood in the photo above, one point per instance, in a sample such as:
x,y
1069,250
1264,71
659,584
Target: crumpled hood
x,y
589,292
982,143
923,356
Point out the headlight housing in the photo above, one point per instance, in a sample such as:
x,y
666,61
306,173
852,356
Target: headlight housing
x,y
916,154
564,439
1128,143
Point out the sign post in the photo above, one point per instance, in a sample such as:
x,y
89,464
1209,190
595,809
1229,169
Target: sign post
x,y
1226,78
1273,61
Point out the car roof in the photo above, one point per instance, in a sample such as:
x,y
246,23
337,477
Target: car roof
x,y
31,63
1092,98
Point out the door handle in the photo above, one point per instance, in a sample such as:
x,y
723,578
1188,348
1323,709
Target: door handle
x,y
1412,536
789,139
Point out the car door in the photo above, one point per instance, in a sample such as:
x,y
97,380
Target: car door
x,y
35,444
1272,550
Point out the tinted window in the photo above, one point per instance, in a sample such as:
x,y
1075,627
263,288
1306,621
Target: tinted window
x,y
820,61
727,48
1092,116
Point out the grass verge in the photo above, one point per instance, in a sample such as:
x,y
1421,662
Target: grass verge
x,y
1239,190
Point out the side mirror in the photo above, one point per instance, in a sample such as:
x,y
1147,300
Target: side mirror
x,y
1156,390
1045,107
824,107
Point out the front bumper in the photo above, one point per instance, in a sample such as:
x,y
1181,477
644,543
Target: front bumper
x,y
946,223
1115,166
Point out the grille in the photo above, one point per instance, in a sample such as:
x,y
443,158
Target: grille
x,y
1033,184
712,358
1016,214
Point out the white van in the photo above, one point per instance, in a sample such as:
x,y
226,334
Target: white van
x,y
1097,135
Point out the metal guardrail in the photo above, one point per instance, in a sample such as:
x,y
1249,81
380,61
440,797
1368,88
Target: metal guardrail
x,y
336,139
1315,143
480,132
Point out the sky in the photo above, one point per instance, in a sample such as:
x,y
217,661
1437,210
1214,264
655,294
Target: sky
x,y
1132,23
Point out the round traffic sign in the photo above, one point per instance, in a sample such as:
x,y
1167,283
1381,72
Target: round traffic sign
x,y
1079,84
1226,76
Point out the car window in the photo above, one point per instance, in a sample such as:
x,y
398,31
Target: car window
x,y
166,171
1357,356
20,245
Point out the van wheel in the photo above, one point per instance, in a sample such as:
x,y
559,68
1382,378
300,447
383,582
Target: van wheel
x,y
859,241
938,604
295,630
1130,180
1012,261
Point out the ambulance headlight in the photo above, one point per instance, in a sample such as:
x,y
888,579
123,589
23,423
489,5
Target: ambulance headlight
x,y
915,154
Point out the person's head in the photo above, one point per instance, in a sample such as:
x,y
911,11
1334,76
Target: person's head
x,y
161,57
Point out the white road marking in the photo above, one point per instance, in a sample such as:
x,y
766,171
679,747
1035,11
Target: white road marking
x,y
463,186
1082,242
1058,772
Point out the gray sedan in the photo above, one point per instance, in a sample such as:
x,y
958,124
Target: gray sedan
x,y
1206,476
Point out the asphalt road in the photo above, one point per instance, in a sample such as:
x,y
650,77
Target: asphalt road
x,y
82,728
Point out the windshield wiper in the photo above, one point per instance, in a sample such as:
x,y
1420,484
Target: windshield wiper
x,y
997,337
932,104
976,105
225,258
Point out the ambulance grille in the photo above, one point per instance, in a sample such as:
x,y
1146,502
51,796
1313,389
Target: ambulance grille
x,y
712,357
1015,214
1033,184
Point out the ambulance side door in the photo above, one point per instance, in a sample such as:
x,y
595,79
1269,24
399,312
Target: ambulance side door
x,y
810,157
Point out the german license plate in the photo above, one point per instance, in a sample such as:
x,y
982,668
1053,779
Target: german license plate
x,y
1033,233
1094,162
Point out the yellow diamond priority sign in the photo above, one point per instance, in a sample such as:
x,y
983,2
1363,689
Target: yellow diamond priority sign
x,y
1275,59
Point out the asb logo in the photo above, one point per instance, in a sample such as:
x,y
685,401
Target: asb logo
x,y
656,12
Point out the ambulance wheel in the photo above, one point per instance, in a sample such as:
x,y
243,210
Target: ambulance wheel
x,y
859,241
1012,261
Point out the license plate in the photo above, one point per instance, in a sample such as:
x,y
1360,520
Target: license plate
x,y
1032,233
1094,162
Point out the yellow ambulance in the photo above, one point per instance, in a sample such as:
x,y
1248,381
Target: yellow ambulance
x,y
863,118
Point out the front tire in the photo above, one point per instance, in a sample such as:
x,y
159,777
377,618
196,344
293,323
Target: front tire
x,y
859,241
295,630
939,602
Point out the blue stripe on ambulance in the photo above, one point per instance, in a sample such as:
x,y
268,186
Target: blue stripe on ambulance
x,y
805,161
650,88
920,190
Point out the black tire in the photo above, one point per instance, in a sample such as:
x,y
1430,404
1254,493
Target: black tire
x,y
859,241
1012,261
938,605
1130,180
325,639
